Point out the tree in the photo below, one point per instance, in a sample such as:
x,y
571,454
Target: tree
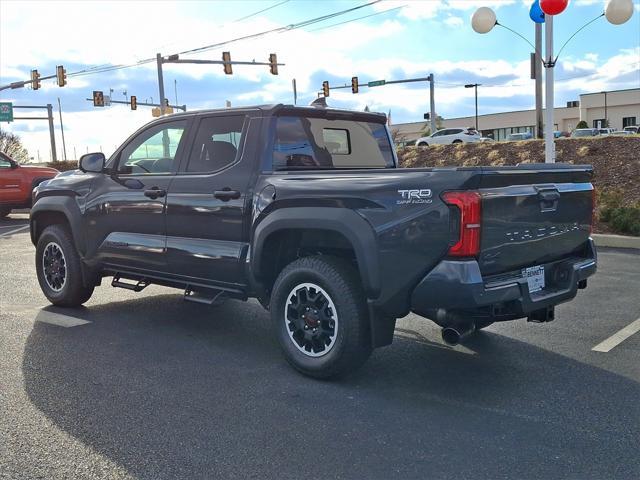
x,y
582,124
11,144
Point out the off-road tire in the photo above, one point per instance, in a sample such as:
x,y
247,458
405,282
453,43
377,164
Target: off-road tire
x,y
73,292
352,343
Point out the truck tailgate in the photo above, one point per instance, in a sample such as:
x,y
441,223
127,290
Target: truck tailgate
x,y
533,217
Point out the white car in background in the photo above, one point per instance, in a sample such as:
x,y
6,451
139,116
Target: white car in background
x,y
632,129
606,131
450,135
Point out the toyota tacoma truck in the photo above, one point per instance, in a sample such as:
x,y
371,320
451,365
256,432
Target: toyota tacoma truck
x,y
306,210
17,183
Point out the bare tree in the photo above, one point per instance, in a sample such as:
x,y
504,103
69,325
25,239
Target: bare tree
x,y
11,144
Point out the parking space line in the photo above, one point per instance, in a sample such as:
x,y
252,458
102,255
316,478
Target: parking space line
x,y
14,231
618,337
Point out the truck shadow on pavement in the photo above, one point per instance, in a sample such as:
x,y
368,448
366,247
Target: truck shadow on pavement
x,y
168,389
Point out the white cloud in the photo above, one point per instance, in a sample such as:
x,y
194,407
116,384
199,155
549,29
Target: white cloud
x,y
427,9
454,21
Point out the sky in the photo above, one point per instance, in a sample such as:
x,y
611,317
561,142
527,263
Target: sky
x,y
397,39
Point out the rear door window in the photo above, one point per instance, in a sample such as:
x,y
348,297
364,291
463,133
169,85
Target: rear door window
x,y
318,143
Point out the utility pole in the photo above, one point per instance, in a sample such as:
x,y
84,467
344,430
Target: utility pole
x,y
606,119
432,99
295,92
549,144
537,75
54,156
474,85
160,83
64,145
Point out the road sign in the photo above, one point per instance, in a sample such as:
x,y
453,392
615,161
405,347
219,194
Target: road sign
x,y
6,112
376,83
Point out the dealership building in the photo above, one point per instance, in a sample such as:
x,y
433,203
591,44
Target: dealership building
x,y
620,107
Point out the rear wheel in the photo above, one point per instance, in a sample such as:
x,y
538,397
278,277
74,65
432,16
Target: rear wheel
x,y
423,144
4,211
457,141
59,269
319,314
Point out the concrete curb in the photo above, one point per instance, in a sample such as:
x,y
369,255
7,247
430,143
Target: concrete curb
x,y
616,241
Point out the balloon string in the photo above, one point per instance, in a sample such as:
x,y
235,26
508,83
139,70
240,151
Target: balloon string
x,y
575,33
513,31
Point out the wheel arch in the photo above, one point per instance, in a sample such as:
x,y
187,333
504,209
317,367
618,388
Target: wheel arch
x,y
56,210
325,222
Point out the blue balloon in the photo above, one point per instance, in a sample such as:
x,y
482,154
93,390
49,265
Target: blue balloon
x,y
535,13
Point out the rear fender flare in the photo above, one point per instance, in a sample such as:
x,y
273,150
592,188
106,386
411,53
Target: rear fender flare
x,y
346,222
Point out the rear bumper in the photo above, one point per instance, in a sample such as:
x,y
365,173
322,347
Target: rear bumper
x,y
455,291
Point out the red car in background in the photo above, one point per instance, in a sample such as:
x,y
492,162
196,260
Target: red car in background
x,y
17,182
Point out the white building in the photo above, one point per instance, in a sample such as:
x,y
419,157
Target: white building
x,y
620,107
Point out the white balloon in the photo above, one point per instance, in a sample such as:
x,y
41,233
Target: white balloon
x,y
483,20
619,11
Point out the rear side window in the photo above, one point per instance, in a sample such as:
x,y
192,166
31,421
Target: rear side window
x,y
318,143
217,143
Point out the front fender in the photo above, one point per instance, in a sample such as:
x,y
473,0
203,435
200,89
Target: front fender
x,y
67,206
346,222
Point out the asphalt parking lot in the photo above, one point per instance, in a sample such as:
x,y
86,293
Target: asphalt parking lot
x,y
148,386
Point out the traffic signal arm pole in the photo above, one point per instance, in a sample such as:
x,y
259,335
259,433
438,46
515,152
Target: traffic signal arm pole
x,y
218,62
144,104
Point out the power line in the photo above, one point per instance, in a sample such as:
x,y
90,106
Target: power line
x,y
358,18
304,23
286,28
260,11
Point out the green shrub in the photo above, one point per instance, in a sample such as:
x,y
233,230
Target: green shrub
x,y
582,124
626,219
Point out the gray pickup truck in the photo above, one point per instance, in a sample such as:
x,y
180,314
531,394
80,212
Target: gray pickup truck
x,y
306,210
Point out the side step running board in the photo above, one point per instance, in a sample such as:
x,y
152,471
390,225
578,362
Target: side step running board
x,y
136,287
213,297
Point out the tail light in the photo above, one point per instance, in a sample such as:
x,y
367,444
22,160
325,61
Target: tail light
x,y
468,203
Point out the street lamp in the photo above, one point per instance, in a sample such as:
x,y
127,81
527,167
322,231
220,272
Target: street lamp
x,y
484,19
475,85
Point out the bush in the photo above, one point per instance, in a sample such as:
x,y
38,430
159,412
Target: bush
x,y
582,124
626,220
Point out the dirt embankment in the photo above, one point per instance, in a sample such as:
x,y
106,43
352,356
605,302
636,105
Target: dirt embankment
x,y
615,160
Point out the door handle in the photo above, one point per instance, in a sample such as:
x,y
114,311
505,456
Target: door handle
x,y
155,192
226,194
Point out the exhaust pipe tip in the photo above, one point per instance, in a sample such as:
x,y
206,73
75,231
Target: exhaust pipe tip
x,y
454,335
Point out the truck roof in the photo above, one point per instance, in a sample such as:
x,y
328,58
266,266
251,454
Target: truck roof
x,y
282,109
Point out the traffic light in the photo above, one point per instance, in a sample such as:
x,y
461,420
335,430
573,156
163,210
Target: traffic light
x,y
325,88
35,79
354,84
61,76
98,98
273,60
134,102
226,57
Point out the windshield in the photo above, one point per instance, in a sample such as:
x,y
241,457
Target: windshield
x,y
319,143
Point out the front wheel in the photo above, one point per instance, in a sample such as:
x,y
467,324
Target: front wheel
x,y
59,269
319,315
457,141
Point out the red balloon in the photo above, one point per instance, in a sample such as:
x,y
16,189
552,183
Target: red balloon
x,y
553,7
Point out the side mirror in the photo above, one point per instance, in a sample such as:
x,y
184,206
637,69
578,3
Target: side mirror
x,y
92,162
